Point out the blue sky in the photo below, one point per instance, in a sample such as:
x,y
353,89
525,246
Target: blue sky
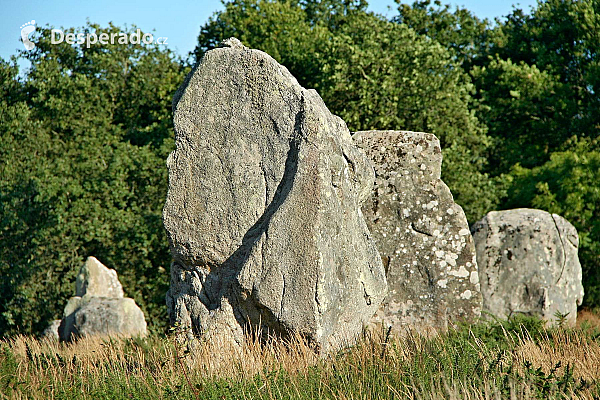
x,y
179,21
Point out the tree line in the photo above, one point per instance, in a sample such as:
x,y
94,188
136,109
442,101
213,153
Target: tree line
x,y
85,132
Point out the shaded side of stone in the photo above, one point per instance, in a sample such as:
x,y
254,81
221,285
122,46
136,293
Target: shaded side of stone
x,y
422,234
528,264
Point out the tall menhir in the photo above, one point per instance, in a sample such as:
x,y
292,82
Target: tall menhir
x,y
263,209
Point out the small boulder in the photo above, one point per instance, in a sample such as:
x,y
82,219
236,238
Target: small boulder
x,y
263,208
51,332
104,316
528,264
422,234
99,307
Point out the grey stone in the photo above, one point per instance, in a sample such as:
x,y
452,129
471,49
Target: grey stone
x,y
101,316
95,279
263,208
51,332
528,264
98,307
422,234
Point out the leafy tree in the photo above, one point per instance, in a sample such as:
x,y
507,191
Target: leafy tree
x,y
526,110
543,70
84,139
373,73
463,33
560,36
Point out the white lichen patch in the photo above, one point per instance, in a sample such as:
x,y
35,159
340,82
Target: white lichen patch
x,y
442,283
450,258
466,295
474,277
432,204
461,273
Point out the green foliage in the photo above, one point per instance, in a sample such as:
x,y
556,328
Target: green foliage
x,y
374,74
543,76
281,28
84,137
560,36
459,30
518,99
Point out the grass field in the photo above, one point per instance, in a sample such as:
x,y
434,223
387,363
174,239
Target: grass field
x,y
518,359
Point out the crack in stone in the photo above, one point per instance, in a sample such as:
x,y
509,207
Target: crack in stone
x,y
562,244
282,296
366,295
414,228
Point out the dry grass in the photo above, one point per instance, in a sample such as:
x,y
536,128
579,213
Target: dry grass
x,y
569,348
588,319
484,362
158,364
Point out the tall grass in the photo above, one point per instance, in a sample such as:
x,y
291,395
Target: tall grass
x,y
490,360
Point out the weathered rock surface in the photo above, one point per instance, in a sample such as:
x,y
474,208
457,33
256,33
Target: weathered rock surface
x,y
263,209
528,264
95,279
51,332
99,308
422,234
91,316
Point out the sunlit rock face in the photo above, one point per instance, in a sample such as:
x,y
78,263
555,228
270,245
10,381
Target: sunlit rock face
x,y
422,234
263,208
528,264
99,307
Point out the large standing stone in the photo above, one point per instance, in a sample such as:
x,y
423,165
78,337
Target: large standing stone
x,y
528,264
98,307
422,234
263,209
